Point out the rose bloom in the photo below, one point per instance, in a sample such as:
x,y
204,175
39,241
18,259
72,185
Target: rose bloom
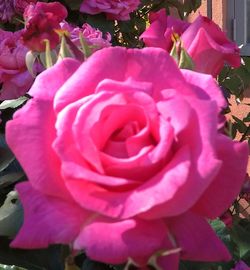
x,y
15,79
114,9
125,159
42,19
92,36
207,45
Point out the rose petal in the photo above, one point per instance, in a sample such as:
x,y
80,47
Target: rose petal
x,y
44,170
210,89
157,190
136,64
43,90
227,184
112,241
47,220
197,239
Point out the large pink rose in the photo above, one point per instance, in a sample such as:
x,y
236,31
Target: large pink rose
x,y
208,46
114,9
125,159
15,79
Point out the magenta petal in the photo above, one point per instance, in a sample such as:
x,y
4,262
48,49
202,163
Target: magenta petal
x,y
112,241
137,64
197,239
39,161
47,84
47,220
227,184
210,89
161,188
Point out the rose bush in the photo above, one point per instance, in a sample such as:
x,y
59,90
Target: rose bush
x,y
15,79
125,159
207,45
114,9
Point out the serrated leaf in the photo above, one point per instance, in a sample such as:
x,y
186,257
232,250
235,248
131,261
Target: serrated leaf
x,y
13,103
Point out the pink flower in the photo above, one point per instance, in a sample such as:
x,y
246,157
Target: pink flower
x,y
14,76
208,46
8,8
114,9
42,19
93,37
125,159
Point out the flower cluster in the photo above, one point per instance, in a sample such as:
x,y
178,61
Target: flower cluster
x,y
207,45
128,158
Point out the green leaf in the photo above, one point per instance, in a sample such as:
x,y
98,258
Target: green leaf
x,y
11,215
30,59
10,178
13,103
186,61
247,118
239,124
241,236
11,267
64,49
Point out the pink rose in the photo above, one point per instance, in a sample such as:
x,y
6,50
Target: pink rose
x,y
208,46
125,159
14,76
114,9
93,37
42,19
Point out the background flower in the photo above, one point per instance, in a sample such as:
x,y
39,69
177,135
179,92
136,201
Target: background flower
x,y
125,149
93,37
207,45
114,9
15,79
41,21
